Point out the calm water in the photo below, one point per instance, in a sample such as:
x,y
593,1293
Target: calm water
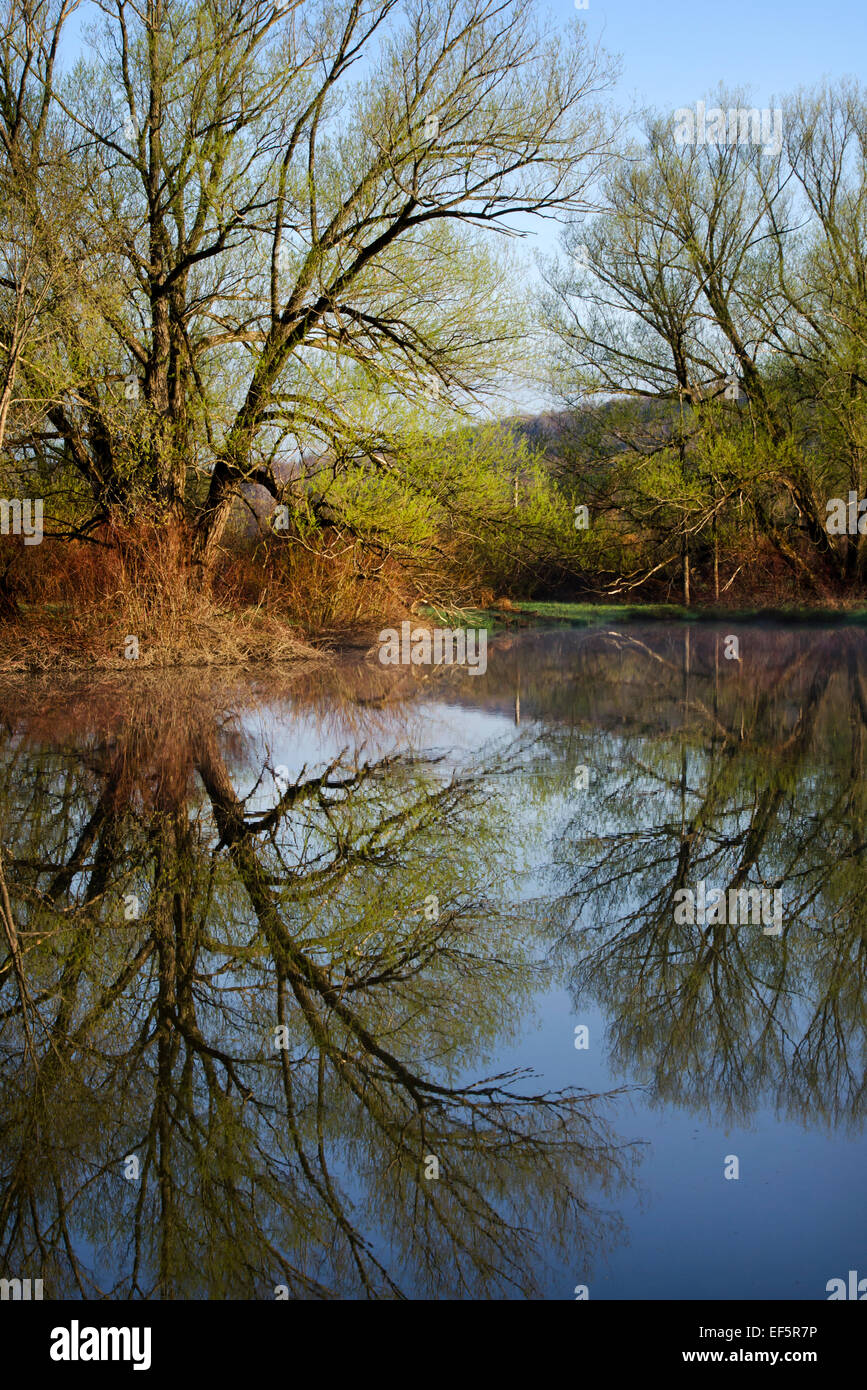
x,y
296,974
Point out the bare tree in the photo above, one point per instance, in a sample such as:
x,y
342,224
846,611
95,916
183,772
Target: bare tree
x,y
284,232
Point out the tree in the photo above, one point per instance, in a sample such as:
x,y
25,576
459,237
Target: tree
x,y
283,228
727,263
820,286
30,271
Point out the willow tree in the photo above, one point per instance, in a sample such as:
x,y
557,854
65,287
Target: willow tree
x,y
285,227
822,293
728,269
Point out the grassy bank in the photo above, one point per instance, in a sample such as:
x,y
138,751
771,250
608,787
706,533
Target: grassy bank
x,y
533,612
587,614
54,639
58,639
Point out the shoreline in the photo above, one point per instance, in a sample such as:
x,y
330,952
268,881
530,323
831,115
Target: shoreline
x,y
48,644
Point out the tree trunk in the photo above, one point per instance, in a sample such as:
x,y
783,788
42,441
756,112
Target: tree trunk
x,y
684,557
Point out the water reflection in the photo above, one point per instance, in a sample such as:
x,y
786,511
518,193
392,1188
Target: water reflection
x,y
237,1029
759,784
284,976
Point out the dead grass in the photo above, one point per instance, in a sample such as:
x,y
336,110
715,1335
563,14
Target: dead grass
x,y
77,607
329,588
39,642
70,606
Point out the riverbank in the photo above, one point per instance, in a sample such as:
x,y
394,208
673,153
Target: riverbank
x,y
533,613
57,640
54,639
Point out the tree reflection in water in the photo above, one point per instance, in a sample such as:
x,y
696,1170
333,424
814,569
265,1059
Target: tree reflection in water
x,y
398,915
744,778
364,912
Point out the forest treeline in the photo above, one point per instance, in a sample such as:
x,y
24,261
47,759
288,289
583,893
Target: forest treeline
x,y
261,314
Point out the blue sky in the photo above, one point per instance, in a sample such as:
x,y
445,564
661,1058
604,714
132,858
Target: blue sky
x,y
675,51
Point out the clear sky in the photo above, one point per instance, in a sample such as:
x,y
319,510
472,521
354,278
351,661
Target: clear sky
x,y
675,50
